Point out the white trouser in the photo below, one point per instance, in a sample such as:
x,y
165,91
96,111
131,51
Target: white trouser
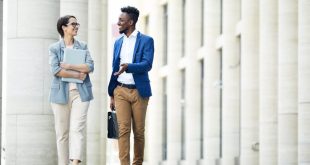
x,y
70,117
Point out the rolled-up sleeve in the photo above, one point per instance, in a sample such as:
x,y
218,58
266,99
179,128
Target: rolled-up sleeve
x,y
53,61
89,61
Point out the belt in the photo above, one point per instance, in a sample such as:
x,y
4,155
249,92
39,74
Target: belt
x,y
127,85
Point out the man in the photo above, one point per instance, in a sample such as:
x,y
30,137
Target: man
x,y
129,87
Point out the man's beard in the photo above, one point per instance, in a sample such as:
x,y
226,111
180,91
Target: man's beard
x,y
123,31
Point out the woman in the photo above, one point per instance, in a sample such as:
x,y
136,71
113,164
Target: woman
x,y
70,101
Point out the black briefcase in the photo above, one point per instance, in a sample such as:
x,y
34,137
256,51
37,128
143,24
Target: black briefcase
x,y
112,125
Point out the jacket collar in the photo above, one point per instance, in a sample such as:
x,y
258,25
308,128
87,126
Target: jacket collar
x,y
134,34
76,44
136,46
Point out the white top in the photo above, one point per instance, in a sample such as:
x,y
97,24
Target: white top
x,y
126,56
71,85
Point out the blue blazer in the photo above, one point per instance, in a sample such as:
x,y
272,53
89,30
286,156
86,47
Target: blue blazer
x,y
60,90
141,64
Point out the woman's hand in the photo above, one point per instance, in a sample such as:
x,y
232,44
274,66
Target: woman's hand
x,y
64,65
81,76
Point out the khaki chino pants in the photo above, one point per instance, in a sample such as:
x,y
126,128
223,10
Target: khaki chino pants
x,y
71,118
130,108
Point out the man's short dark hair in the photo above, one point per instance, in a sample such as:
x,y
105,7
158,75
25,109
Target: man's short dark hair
x,y
132,12
63,21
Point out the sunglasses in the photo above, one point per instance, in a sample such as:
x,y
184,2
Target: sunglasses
x,y
74,24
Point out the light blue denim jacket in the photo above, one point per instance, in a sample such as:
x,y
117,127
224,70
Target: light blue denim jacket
x,y
60,90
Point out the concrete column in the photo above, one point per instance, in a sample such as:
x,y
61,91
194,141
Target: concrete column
x,y
268,80
288,82
192,79
79,9
249,81
231,82
96,41
155,107
104,80
3,72
30,136
212,28
1,54
303,82
174,81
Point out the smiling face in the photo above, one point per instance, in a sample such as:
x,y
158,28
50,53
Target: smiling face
x,y
124,23
70,29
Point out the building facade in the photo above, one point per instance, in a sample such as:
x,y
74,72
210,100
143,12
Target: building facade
x,y
230,82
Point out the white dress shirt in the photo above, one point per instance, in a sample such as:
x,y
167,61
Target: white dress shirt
x,y
126,56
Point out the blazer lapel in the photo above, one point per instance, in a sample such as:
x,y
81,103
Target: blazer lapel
x,y
136,47
62,44
119,47
76,44
62,47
